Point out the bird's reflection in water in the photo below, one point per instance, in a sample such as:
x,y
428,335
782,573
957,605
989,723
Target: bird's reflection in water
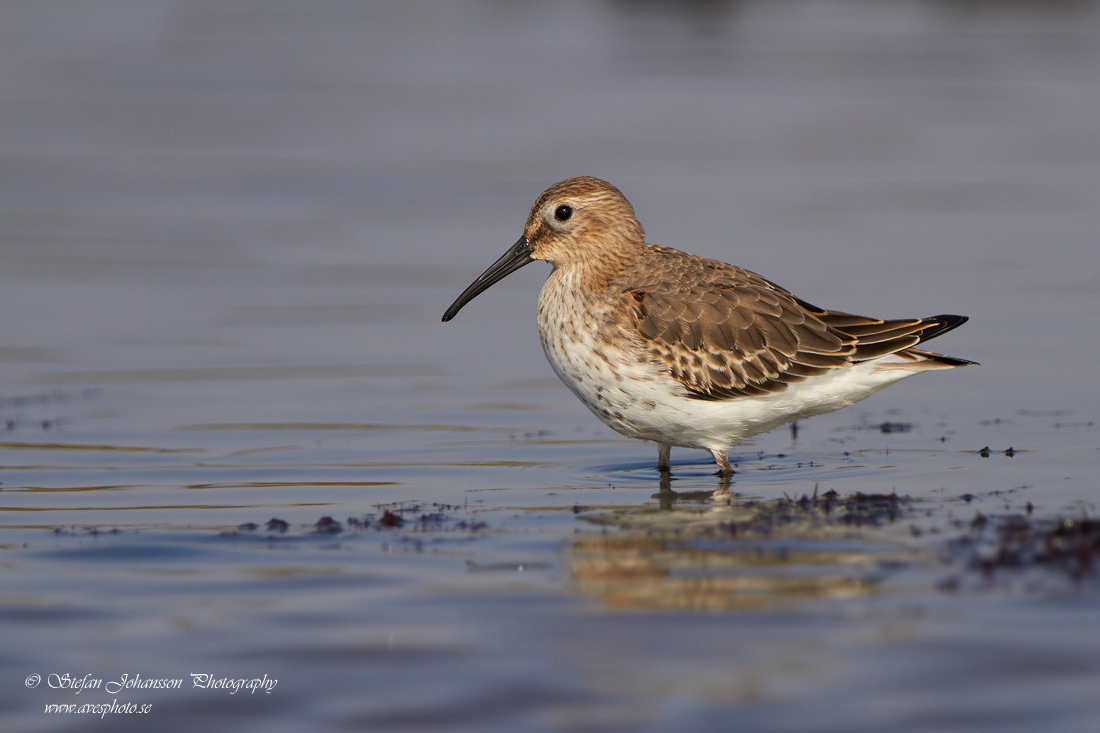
x,y
666,497
688,553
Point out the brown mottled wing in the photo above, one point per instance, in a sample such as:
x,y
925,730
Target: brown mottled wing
x,y
724,332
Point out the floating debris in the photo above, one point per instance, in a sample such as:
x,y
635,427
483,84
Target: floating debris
x,y
276,525
808,513
1016,547
986,452
327,525
412,517
391,519
84,531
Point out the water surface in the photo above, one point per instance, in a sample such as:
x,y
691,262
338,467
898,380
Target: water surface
x,y
229,233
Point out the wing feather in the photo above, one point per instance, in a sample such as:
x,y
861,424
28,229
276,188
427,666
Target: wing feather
x,y
724,332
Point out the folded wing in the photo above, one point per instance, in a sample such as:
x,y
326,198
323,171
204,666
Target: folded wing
x,y
732,333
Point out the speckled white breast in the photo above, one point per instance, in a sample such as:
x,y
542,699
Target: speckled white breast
x,y
593,358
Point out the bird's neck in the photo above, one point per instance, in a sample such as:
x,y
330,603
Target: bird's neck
x,y
598,268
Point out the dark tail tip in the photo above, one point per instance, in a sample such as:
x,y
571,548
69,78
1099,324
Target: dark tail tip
x,y
941,324
951,360
938,325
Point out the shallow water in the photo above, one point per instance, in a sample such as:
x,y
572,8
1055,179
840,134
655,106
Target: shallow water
x,y
229,233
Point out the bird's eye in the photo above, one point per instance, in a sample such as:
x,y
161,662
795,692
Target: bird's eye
x,y
563,212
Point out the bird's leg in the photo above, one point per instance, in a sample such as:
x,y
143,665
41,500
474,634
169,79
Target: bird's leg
x,y
663,451
723,462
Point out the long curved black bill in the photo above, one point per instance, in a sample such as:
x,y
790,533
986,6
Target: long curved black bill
x,y
515,258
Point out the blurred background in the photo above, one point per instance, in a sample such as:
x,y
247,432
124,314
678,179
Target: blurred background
x,y
179,176
228,231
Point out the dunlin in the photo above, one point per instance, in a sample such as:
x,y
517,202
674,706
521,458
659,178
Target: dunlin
x,y
686,351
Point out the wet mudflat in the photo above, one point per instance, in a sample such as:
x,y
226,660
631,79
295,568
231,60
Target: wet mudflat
x,y
236,442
